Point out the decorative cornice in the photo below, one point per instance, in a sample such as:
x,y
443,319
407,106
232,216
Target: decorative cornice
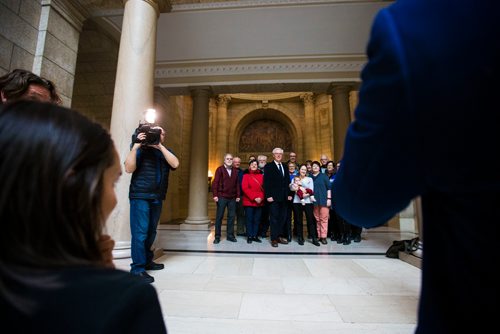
x,y
273,74
181,7
265,96
192,70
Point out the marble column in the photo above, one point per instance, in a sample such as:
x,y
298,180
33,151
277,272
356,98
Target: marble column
x,y
353,102
221,143
132,96
198,161
341,118
308,131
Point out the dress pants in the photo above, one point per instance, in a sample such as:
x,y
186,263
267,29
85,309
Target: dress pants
x,y
222,203
277,216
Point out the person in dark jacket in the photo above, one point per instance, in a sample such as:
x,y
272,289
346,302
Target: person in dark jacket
x,y
226,192
429,98
58,184
150,165
276,181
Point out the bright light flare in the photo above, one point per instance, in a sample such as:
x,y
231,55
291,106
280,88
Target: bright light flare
x,y
150,115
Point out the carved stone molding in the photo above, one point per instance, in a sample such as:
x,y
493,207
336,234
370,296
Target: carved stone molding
x,y
308,98
190,70
279,74
223,100
264,97
192,5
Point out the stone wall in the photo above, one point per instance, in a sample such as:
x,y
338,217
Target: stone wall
x,y
19,21
42,39
95,74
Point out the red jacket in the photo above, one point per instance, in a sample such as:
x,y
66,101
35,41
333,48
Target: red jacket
x,y
253,187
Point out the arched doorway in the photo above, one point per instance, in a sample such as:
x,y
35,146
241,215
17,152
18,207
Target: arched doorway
x,y
261,130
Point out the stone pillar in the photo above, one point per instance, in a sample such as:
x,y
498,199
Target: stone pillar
x,y
353,102
132,96
221,143
198,195
341,119
59,31
309,129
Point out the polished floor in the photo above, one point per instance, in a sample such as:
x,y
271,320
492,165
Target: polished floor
x,y
255,288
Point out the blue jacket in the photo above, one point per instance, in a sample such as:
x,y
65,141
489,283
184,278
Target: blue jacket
x,y
150,179
428,124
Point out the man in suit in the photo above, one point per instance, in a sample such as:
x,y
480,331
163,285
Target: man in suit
x,y
428,124
276,181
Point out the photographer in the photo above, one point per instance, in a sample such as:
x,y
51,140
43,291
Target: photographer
x,y
150,162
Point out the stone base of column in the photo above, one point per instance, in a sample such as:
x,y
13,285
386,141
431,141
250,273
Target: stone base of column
x,y
122,250
196,223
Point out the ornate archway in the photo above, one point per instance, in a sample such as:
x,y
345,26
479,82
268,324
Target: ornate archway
x,y
258,131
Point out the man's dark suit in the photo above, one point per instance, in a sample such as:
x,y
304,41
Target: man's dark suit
x,y
428,124
276,186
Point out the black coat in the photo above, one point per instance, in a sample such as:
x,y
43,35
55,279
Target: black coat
x,y
275,184
78,300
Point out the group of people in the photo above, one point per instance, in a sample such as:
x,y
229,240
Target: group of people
x,y
276,196
428,94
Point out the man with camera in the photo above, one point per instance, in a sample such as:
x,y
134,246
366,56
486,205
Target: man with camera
x,y
150,162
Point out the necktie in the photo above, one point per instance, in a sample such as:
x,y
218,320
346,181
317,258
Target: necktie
x,y
281,170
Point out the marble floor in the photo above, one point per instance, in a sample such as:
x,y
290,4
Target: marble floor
x,y
255,288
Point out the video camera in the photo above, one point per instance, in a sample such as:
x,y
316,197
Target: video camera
x,y
153,135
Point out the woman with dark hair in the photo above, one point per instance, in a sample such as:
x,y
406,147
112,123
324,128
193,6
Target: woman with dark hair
x,y
58,171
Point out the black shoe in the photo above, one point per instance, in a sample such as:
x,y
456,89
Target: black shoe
x,y
315,242
357,238
216,240
145,277
249,240
155,266
256,239
301,241
232,239
323,241
347,241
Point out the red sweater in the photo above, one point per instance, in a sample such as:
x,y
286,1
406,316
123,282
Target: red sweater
x,y
224,185
253,187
